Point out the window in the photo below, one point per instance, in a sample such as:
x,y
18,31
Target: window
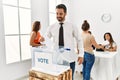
x,y
17,26
52,13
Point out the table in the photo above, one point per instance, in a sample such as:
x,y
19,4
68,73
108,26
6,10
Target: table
x,y
106,66
53,72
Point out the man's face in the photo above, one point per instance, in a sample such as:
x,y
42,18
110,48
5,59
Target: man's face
x,y
60,15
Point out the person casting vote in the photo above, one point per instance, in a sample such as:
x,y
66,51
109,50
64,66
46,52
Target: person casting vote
x,y
63,34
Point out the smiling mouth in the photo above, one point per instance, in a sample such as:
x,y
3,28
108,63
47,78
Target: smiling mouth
x,y
59,18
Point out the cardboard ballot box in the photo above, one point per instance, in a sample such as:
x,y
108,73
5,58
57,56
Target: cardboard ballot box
x,y
42,59
41,56
51,72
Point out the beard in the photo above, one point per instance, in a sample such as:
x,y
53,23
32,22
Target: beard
x,y
60,19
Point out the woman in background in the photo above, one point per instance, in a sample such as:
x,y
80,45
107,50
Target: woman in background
x,y
89,58
92,45
36,38
111,46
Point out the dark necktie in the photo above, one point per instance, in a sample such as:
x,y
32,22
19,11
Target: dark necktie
x,y
61,36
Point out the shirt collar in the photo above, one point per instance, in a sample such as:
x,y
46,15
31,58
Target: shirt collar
x,y
62,22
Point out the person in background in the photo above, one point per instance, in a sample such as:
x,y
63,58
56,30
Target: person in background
x,y
63,34
111,46
89,58
36,38
92,45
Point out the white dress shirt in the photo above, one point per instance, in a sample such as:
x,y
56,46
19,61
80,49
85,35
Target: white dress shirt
x,y
70,32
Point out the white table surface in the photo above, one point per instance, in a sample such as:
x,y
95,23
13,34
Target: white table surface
x,y
106,66
105,54
52,69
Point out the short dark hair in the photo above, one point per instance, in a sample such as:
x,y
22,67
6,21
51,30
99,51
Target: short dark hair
x,y
85,26
62,6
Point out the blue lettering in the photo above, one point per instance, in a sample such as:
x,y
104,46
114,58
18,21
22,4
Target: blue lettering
x,y
43,60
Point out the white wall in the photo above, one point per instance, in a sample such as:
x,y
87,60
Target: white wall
x,y
92,11
19,69
78,10
40,12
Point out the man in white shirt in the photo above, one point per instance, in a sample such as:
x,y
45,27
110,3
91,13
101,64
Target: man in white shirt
x,y
69,32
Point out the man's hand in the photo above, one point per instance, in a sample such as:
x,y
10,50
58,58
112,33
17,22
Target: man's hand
x,y
80,60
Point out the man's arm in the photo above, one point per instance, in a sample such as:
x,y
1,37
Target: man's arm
x,y
79,45
48,32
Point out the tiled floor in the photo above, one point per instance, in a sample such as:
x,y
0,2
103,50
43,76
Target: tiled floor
x,y
77,76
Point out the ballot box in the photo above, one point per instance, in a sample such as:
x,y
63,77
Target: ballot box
x,y
48,65
41,56
42,59
50,72
46,56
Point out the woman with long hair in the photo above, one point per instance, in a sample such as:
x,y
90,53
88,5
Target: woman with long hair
x,y
36,38
111,46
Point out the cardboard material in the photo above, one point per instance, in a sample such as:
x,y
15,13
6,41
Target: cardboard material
x,y
54,72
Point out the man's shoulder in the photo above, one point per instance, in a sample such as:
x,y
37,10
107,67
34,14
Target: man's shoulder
x,y
54,24
70,24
